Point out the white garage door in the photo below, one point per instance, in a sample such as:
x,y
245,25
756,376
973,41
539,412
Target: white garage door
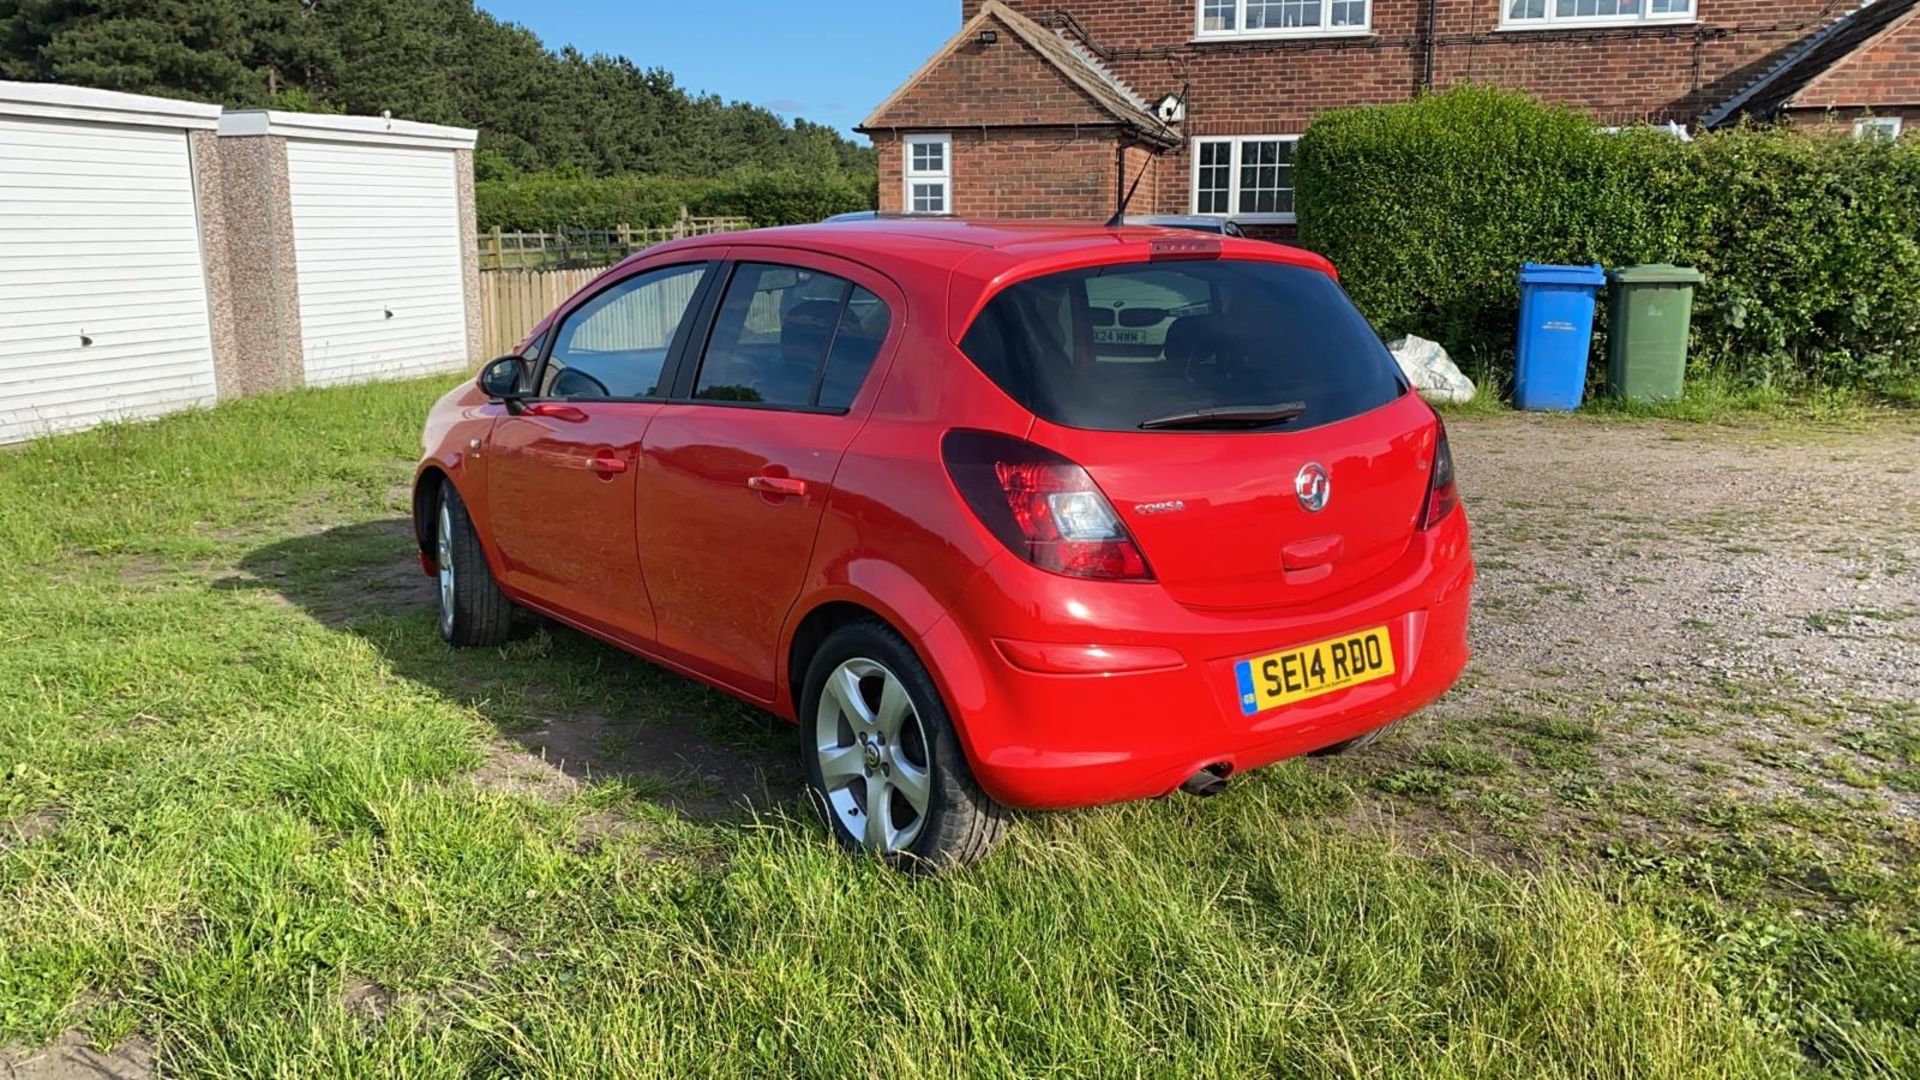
x,y
376,237
103,303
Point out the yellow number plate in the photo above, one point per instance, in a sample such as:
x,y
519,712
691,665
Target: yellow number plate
x,y
1297,674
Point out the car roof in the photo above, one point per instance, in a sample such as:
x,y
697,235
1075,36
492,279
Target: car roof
x,y
947,242
978,257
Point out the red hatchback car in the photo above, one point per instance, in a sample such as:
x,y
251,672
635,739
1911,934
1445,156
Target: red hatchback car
x,y
1002,514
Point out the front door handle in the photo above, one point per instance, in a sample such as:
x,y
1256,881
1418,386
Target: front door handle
x,y
777,485
556,410
607,464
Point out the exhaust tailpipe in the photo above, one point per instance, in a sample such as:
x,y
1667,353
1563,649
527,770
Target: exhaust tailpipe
x,y
1209,781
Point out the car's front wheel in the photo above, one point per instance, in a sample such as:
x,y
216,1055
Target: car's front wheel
x,y
883,762
473,610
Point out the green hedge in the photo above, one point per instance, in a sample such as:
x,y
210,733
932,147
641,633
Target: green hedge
x,y
763,196
1810,242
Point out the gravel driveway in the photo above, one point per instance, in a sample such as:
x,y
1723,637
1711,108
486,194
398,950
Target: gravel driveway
x,y
1673,552
1674,622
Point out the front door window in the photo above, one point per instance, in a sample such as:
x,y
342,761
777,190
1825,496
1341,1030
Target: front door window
x,y
615,345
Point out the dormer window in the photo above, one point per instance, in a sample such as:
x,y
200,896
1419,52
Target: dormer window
x,y
1241,19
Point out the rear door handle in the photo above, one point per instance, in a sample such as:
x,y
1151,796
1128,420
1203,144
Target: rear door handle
x,y
777,485
607,464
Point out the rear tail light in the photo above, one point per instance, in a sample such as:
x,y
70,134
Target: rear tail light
x,y
1046,509
1442,493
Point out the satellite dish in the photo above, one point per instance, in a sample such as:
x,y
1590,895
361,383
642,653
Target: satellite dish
x,y
1171,110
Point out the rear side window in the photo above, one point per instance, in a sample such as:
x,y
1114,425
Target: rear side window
x,y
1112,348
792,337
863,326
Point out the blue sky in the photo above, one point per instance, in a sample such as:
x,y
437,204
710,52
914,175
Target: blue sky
x,y
831,63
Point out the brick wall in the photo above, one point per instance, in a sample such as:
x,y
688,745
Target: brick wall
x,y
999,84
1022,172
1885,72
1276,86
1149,169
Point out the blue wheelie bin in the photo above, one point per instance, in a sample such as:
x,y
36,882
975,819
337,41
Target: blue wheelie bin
x,y
1556,334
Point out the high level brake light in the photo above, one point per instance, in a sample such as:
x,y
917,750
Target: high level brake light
x,y
1045,508
1182,247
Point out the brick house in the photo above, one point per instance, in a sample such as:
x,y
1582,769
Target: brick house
x,y
1861,69
1053,108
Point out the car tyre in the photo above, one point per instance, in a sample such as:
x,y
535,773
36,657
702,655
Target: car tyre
x,y
875,733
473,610
1358,742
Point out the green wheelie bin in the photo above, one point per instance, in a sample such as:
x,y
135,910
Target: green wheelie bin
x,y
1651,308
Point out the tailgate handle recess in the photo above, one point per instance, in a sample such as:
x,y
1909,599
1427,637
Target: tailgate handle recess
x,y
1306,554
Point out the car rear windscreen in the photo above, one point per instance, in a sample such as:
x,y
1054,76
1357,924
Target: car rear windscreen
x,y
1115,347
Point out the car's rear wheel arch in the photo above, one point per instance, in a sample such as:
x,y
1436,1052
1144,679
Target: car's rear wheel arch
x,y
813,630
957,822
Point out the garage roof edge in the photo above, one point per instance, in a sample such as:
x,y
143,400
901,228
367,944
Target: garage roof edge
x,y
52,101
379,130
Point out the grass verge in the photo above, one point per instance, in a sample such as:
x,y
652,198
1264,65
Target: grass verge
x,y
252,809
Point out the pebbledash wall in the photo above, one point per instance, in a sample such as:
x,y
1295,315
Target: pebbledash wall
x,y
158,254
1274,86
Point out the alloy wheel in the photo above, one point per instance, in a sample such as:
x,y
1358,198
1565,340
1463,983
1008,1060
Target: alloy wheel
x,y
445,559
875,769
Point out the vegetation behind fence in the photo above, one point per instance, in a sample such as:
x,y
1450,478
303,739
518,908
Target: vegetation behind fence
x,y
1809,242
566,249
787,196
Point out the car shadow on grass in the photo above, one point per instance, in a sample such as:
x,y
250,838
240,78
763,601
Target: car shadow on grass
x,y
571,711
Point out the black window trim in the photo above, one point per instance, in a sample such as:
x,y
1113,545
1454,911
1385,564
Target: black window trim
x,y
676,349
687,373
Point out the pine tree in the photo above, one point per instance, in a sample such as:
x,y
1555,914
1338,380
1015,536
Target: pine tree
x,y
440,61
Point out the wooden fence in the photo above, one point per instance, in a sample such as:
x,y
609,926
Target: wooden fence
x,y
511,301
575,248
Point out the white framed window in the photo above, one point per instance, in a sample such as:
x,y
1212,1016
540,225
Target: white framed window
x,y
928,173
1239,19
1877,127
1248,178
1539,14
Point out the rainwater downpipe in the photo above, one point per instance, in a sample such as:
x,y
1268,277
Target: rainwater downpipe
x,y
1426,69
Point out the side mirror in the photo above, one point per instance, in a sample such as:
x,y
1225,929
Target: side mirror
x,y
504,379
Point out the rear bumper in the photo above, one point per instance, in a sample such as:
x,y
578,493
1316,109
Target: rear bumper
x,y
1045,739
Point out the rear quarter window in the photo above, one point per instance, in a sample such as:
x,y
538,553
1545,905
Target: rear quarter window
x,y
1111,347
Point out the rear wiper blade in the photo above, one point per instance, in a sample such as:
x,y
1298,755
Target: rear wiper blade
x,y
1229,416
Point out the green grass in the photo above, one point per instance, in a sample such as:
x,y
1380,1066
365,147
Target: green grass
x,y
239,815
1709,400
